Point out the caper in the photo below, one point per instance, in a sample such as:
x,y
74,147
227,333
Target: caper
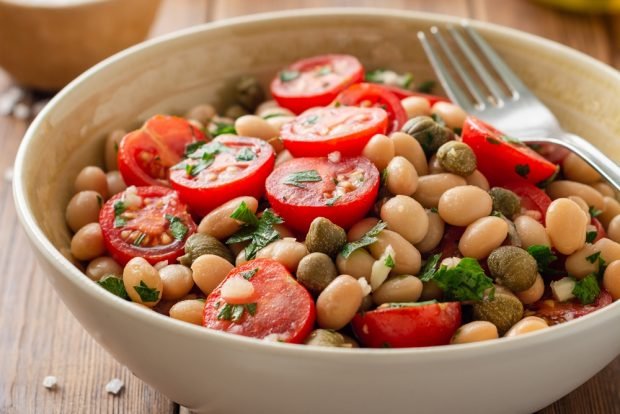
x,y
513,267
235,111
505,201
249,94
325,237
315,271
199,244
325,337
457,157
429,133
503,311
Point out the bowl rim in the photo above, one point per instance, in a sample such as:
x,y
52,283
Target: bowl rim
x,y
41,5
61,264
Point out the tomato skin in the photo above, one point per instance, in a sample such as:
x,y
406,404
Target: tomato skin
x,y
203,196
372,94
416,326
555,312
309,135
162,139
283,306
532,197
501,161
299,206
405,93
600,230
345,70
151,222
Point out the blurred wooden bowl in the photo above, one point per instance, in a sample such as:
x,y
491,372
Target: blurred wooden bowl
x,y
45,44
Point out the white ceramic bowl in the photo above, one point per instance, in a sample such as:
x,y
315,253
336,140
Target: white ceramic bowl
x,y
214,372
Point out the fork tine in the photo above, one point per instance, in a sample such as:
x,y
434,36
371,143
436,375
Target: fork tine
x,y
507,75
469,82
484,74
453,90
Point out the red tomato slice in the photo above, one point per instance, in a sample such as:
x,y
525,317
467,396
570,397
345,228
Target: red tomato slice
x,y
405,93
500,160
317,132
151,223
423,324
282,308
144,155
226,168
555,312
532,197
315,81
317,193
368,95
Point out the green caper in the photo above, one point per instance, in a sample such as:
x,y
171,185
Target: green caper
x,y
325,237
199,244
249,93
429,133
315,271
325,337
457,157
503,311
513,267
505,201
235,111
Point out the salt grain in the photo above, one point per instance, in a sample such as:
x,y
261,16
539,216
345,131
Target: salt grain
x,y
50,382
114,386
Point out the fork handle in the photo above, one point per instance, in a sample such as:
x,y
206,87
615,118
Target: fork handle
x,y
590,154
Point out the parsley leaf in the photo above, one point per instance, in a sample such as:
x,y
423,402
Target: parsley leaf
x,y
251,308
522,169
331,201
590,236
544,257
177,228
114,285
205,156
119,208
222,128
234,313
246,154
594,212
191,148
367,239
388,77
119,221
146,293
259,235
389,262
244,214
297,178
465,281
430,268
289,75
249,274
593,257
587,289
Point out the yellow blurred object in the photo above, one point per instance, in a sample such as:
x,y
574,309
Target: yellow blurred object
x,y
44,44
585,6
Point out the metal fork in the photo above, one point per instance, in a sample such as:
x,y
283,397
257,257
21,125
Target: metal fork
x,y
519,113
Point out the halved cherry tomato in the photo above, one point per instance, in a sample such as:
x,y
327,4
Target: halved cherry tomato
x,y
405,93
225,168
303,189
532,197
368,95
315,81
408,325
148,222
144,155
600,230
317,132
553,153
555,312
501,160
280,307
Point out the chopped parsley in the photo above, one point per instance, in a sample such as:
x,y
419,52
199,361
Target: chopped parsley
x,y
246,154
430,268
465,281
244,214
297,178
289,75
522,169
388,77
591,236
311,120
205,156
544,257
594,257
389,262
119,221
119,208
138,241
177,228
193,147
114,285
222,128
331,201
367,239
234,313
276,115
384,176
260,233
587,289
426,86
147,294
594,212
249,274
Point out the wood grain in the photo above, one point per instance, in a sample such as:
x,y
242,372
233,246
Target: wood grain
x,y
39,337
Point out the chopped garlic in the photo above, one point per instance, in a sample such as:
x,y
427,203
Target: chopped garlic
x,y
366,289
50,382
334,156
380,270
237,290
114,386
132,199
562,289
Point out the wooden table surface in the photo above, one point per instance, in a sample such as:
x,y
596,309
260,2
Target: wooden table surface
x,y
39,337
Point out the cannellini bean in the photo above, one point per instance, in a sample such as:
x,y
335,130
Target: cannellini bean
x,y
565,188
240,259
358,264
92,178
405,216
611,209
434,234
531,232
402,177
407,258
260,109
454,116
431,187
115,181
527,325
578,265
610,250
83,208
218,222
611,279
461,206
576,169
408,147
188,311
337,304
209,270
278,121
201,113
379,150
87,243
581,203
275,112
103,266
483,236
177,281
533,293
404,288
360,228
613,229
416,106
286,251
255,126
138,276
434,166
479,180
566,225
475,332
111,149
604,188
